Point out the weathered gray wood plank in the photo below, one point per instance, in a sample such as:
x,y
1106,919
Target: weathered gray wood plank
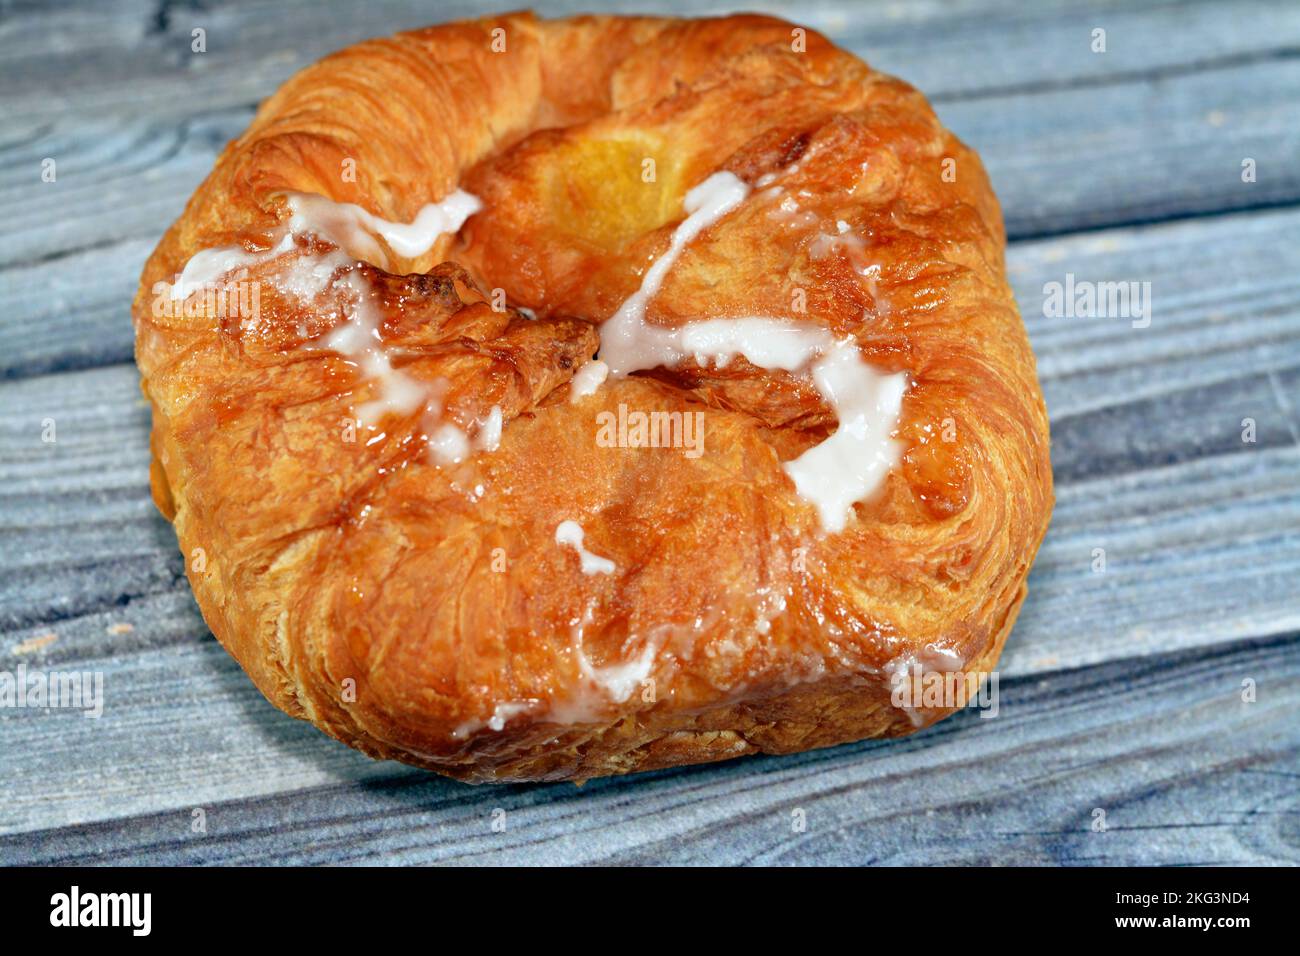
x,y
117,180
128,57
1184,771
1137,147
1140,152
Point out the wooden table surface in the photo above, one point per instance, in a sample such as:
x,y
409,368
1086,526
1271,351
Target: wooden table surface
x,y
1122,691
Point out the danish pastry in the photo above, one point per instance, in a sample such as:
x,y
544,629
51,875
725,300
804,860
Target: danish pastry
x,y
540,400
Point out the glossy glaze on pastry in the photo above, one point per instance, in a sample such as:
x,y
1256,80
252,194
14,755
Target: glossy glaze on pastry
x,y
433,490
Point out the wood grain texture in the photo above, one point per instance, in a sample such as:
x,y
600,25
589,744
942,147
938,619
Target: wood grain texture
x,y
1121,690
1184,770
59,57
1147,130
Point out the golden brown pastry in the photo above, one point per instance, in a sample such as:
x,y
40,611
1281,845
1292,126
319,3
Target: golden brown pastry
x,y
421,516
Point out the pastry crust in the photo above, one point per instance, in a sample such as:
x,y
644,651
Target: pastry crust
x,y
424,611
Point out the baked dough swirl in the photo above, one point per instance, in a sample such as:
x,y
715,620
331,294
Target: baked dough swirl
x,y
422,517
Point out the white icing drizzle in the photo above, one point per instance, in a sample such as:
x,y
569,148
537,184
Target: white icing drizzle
x,y
587,379
850,464
206,266
502,713
349,226
587,699
310,274
570,533
448,444
489,430
788,213
833,475
619,681
623,337
824,244
343,224
358,339
307,276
